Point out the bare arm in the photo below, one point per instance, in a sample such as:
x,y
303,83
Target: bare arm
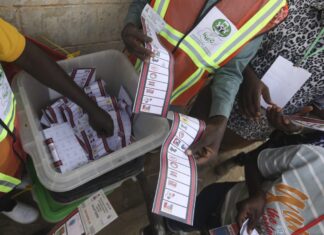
x,y
34,61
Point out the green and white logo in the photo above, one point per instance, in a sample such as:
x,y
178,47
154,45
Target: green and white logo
x,y
222,27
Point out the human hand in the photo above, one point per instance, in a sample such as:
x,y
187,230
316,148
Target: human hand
x,y
252,209
208,145
283,122
249,96
134,40
100,121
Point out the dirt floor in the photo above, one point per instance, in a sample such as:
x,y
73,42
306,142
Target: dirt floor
x,y
128,200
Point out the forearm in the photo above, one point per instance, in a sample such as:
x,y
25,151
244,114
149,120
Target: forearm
x,y
219,121
51,75
253,178
224,90
218,125
249,72
227,80
134,12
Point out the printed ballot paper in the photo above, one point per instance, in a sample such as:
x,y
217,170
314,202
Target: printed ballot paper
x,y
71,140
92,215
308,122
177,187
64,147
156,77
283,80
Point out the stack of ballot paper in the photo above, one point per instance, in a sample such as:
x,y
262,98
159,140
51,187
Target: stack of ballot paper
x,y
64,117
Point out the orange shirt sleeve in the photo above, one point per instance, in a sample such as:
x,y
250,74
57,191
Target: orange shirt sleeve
x,y
12,43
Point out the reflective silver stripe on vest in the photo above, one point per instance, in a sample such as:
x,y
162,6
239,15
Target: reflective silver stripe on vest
x,y
197,55
193,81
170,34
248,31
7,184
160,7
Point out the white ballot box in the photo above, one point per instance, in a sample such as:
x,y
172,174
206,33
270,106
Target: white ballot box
x,y
114,68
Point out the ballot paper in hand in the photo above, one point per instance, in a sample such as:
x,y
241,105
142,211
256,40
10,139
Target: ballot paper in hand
x,y
244,229
283,80
307,122
156,78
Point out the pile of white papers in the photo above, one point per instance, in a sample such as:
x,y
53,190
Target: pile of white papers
x,y
64,112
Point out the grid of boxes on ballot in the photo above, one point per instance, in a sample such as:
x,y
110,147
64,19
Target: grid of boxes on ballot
x,y
71,140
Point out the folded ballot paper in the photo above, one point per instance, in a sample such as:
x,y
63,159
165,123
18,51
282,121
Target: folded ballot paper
x,y
71,140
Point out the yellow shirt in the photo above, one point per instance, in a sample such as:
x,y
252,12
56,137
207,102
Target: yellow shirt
x,y
12,43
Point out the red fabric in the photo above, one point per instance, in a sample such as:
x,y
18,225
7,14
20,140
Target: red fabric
x,y
10,163
183,16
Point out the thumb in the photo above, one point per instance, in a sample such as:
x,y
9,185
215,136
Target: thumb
x,y
266,95
305,110
195,147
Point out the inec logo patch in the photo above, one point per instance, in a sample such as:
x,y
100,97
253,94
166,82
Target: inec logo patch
x,y
221,27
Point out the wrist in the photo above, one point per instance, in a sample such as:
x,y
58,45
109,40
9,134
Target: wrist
x,y
258,194
127,26
217,120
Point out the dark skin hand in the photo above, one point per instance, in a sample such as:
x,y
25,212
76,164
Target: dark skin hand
x,y
282,122
249,96
319,113
208,145
252,208
34,61
135,40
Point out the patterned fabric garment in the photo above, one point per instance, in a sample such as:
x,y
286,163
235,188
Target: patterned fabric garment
x,y
294,190
290,39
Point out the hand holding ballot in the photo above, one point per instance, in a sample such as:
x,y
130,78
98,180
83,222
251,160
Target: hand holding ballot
x,y
251,209
208,145
250,93
134,40
100,121
283,122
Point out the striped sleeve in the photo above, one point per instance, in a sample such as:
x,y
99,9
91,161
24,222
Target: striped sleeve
x,y
273,162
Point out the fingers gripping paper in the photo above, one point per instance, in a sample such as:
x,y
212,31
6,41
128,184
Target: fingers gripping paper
x,y
156,77
177,187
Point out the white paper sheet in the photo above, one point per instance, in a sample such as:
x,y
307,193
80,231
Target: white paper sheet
x,y
283,80
244,228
